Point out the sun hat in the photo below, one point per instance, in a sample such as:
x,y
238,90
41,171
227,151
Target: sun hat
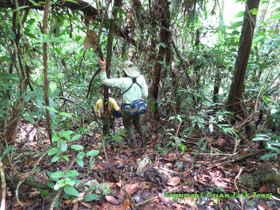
x,y
130,69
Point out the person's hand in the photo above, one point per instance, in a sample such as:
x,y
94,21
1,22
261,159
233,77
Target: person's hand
x,y
103,64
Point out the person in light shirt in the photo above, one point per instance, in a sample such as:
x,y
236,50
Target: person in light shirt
x,y
131,92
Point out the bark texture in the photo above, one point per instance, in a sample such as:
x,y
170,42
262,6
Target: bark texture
x,y
245,43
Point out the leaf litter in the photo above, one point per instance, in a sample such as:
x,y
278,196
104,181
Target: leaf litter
x,y
164,175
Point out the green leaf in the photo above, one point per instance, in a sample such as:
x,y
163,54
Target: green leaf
x,y
92,153
77,147
239,14
29,119
50,175
80,162
211,128
52,151
65,158
91,197
171,118
51,109
254,11
65,114
8,149
237,24
55,138
65,134
55,158
72,173
268,155
43,192
53,86
163,45
19,8
57,175
63,145
51,184
71,190
76,137
81,155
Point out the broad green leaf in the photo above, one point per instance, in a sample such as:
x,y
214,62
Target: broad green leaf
x,y
57,175
254,11
81,155
71,190
65,114
92,153
163,45
52,151
51,109
237,24
171,118
29,119
65,158
239,14
50,184
65,134
91,197
80,162
211,128
72,173
63,145
55,158
50,175
55,138
53,86
77,147
44,193
75,137
8,149
268,155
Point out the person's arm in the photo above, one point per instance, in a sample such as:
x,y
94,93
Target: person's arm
x,y
144,89
118,82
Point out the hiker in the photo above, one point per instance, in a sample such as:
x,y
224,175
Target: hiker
x,y
114,109
130,92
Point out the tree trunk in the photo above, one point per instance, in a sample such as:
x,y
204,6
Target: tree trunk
x,y
245,43
112,30
244,48
164,38
45,60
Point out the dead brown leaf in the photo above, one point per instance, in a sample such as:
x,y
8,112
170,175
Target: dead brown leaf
x,y
131,188
76,206
172,156
112,200
173,181
264,189
219,142
88,205
127,204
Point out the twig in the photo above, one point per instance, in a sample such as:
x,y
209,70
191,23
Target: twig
x,y
138,204
238,159
134,204
104,149
176,137
3,185
25,179
234,182
59,192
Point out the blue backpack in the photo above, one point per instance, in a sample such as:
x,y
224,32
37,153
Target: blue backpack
x,y
136,107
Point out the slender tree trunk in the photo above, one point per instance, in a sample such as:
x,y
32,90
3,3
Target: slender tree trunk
x,y
112,30
245,43
45,60
244,48
164,38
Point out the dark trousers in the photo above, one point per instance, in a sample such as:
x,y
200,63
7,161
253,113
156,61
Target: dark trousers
x,y
128,125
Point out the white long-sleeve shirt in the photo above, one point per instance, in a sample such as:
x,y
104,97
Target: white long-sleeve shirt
x,y
134,93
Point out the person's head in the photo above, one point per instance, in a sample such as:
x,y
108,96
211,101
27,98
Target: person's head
x,y
130,70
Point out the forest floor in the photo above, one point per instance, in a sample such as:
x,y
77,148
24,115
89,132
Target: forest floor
x,y
209,180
